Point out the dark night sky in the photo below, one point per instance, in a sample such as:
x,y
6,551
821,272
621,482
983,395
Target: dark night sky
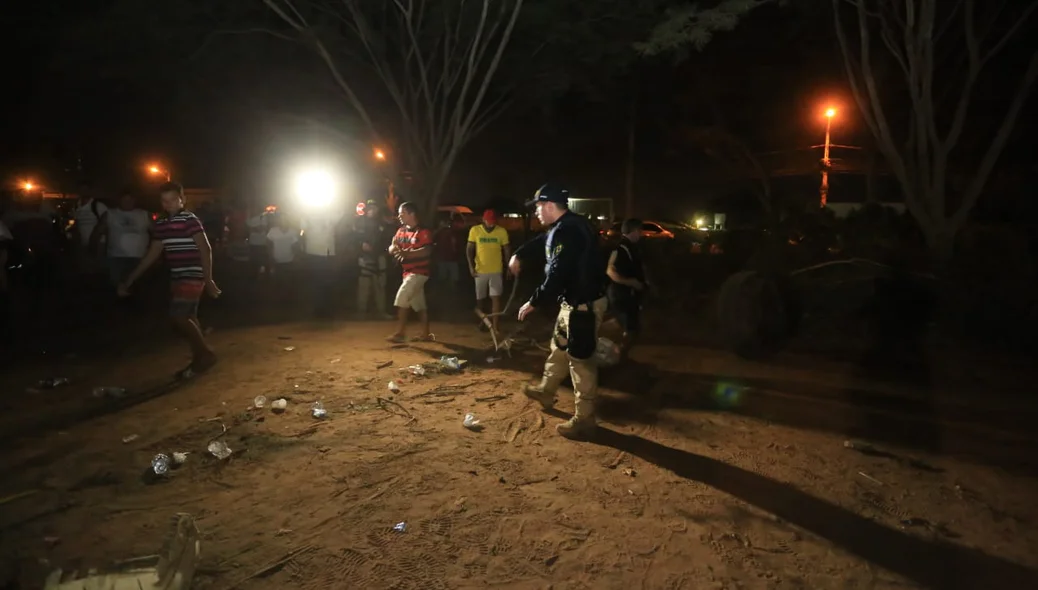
x,y
221,122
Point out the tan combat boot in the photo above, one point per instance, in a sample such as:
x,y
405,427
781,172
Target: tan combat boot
x,y
541,393
582,425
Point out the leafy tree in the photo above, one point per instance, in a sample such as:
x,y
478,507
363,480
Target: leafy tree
x,y
695,26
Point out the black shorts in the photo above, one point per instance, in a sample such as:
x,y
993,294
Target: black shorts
x,y
628,312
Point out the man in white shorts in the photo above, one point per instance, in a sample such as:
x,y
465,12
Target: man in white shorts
x,y
412,247
486,251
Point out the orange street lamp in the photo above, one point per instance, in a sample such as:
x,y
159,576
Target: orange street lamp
x,y
159,171
380,155
823,190
28,185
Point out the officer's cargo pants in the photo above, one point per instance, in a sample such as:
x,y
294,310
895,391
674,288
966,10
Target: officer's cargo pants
x,y
583,372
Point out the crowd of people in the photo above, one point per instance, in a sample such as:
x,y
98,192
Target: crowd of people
x,y
576,278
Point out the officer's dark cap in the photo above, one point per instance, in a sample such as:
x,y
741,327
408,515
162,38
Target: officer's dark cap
x,y
550,193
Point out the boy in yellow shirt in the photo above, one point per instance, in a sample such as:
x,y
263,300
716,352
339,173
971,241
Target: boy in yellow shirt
x,y
487,249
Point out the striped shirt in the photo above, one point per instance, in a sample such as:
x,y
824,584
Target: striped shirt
x,y
410,239
177,234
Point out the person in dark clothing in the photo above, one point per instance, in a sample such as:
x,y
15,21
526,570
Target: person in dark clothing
x,y
371,282
627,286
575,278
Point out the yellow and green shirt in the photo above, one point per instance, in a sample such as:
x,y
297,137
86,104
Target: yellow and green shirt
x,y
488,248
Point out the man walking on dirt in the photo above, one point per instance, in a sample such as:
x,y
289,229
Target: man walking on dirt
x,y
412,247
486,251
575,278
189,257
627,285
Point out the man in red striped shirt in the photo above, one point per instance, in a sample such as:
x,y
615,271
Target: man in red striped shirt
x,y
412,246
189,257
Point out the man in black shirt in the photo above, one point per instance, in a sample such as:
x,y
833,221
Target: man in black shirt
x,y
573,278
628,282
372,236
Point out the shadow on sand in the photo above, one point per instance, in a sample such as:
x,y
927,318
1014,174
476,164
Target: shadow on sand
x,y
932,564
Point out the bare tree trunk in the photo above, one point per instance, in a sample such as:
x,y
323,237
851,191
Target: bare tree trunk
x,y
909,30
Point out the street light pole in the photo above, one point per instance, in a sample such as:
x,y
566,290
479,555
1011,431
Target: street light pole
x,y
823,190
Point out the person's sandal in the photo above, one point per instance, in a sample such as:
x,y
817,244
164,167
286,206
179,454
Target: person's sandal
x,y
426,338
172,569
395,339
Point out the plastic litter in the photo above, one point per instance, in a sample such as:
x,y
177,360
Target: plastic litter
x,y
418,370
607,353
279,404
400,527
393,387
450,362
53,382
317,410
160,464
219,449
260,401
130,438
180,458
470,422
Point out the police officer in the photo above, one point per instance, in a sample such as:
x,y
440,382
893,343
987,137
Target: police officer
x,y
574,277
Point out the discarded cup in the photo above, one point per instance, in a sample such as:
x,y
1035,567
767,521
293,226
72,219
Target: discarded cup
x,y
109,391
393,387
279,404
317,410
260,401
450,362
607,353
160,464
470,421
219,449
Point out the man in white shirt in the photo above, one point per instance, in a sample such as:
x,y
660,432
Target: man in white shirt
x,y
283,240
87,215
127,230
319,229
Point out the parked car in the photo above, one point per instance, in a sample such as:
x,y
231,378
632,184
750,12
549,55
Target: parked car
x,y
651,230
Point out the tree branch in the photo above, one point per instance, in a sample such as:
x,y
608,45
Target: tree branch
x,y
994,150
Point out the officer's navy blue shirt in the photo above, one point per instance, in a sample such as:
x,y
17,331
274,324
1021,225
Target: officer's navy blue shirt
x,y
573,269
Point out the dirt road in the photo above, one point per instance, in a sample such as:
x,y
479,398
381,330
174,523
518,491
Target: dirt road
x,y
710,473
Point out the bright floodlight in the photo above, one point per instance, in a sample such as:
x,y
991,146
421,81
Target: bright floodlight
x,y
380,155
315,188
830,113
28,186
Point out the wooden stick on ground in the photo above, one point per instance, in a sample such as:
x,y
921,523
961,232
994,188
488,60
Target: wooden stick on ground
x,y
272,567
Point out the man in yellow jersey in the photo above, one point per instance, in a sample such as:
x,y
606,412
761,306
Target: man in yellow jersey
x,y
486,251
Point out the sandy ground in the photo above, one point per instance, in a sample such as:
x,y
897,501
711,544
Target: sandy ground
x,y
710,472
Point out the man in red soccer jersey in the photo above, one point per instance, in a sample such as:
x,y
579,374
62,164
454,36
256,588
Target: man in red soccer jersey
x,y
412,246
179,235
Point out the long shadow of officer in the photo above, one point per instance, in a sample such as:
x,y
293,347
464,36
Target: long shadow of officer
x,y
574,276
